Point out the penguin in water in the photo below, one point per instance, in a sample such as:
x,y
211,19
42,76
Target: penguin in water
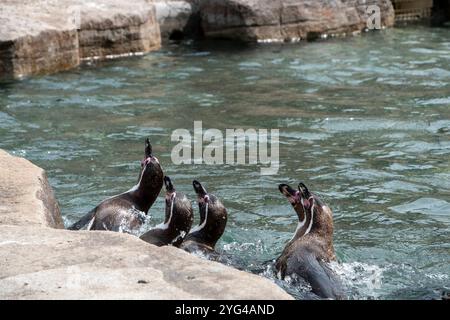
x,y
178,220
213,219
126,212
311,247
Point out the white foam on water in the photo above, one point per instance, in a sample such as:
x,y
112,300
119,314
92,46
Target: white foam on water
x,y
125,222
293,284
243,247
200,254
361,279
438,276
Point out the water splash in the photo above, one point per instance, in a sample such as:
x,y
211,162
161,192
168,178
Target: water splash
x,y
362,280
141,216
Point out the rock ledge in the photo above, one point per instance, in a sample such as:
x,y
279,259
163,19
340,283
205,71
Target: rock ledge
x,y
39,37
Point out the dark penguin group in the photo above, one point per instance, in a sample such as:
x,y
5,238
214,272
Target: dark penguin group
x,y
306,255
126,212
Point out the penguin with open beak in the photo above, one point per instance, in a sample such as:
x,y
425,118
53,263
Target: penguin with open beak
x,y
311,248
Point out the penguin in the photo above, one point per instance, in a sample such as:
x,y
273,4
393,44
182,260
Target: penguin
x,y
178,220
311,247
213,219
126,212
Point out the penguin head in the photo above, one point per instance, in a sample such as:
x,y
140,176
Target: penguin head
x,y
151,172
168,185
207,202
313,214
322,216
179,212
213,215
295,198
306,198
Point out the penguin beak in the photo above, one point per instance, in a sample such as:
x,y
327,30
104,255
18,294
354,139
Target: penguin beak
x,y
148,154
292,195
148,148
200,191
170,190
168,184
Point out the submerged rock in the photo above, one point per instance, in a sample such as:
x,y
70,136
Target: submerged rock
x,y
41,262
288,20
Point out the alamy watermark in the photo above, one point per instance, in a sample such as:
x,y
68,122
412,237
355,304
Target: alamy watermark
x,y
239,146
235,147
374,17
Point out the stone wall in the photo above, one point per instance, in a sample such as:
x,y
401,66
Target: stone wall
x,y
116,28
177,19
287,20
46,36
40,261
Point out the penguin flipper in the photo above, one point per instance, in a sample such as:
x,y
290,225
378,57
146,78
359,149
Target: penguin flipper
x,y
83,221
322,279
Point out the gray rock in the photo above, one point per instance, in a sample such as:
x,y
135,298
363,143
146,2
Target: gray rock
x,y
34,41
287,20
26,198
43,263
110,28
175,17
48,36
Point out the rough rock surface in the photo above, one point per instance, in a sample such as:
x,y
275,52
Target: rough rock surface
x,y
33,40
38,261
38,36
287,20
26,197
117,27
177,18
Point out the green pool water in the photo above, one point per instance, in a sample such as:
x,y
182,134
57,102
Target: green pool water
x,y
364,122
